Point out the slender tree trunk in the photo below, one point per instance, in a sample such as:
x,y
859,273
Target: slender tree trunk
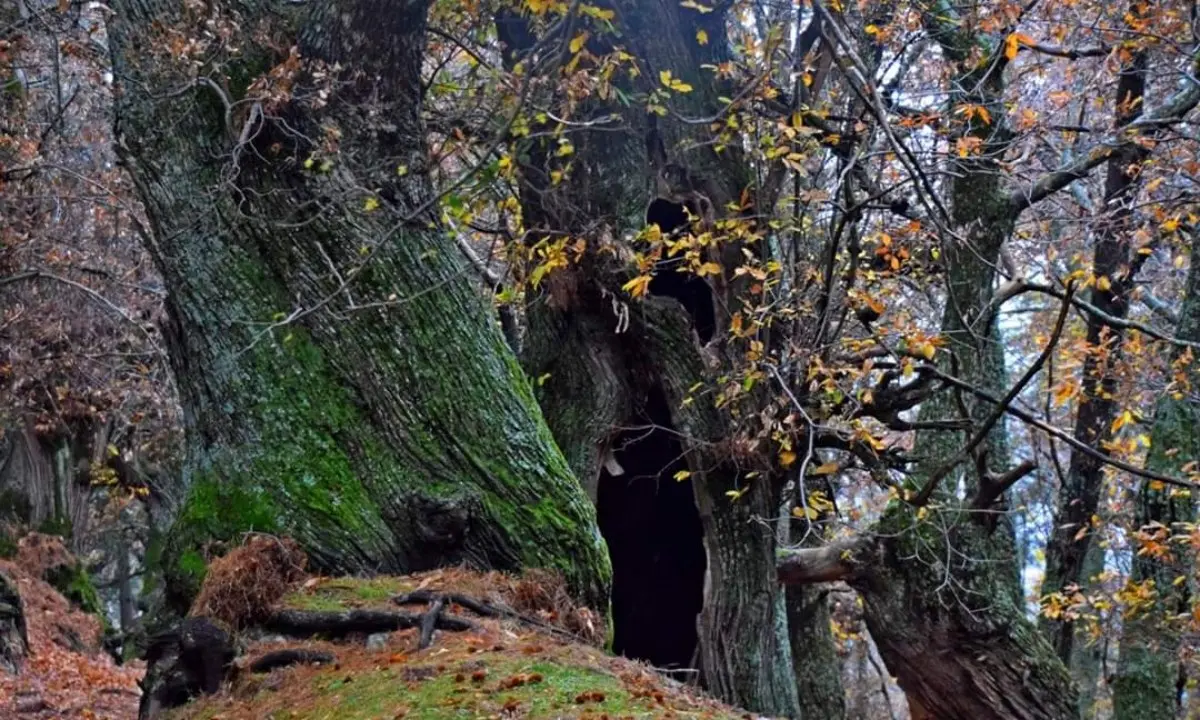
x,y
341,380
1087,653
1148,668
1113,260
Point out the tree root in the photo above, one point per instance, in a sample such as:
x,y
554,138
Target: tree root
x,y
306,623
290,656
479,607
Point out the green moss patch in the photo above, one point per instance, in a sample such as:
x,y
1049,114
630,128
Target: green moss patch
x,y
498,669
345,593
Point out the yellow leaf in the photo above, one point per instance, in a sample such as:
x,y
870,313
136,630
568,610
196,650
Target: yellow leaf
x,y
1103,284
578,41
542,379
922,512
664,76
1012,44
638,286
871,30
112,450
702,37
371,203
735,494
683,475
1171,225
787,458
402,170
803,512
828,468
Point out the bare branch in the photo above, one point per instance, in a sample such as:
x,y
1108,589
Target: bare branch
x,y
936,477
1169,113
836,561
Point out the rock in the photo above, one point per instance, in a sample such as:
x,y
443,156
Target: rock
x,y
377,641
188,660
14,639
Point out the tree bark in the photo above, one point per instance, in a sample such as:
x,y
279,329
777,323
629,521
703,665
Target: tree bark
x,y
1148,669
942,614
1113,259
597,379
940,583
341,380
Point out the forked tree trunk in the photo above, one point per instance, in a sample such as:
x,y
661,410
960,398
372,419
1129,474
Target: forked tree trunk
x,y
940,583
341,380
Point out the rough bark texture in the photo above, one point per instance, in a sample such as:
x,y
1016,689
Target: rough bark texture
x,y
1148,669
744,651
14,643
1113,258
942,596
188,660
942,613
387,426
814,656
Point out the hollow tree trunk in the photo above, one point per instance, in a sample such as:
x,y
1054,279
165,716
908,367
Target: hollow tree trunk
x,y
595,379
1149,665
341,381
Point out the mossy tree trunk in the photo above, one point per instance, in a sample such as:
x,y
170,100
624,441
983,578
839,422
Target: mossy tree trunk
x,y
595,378
1148,669
939,577
1067,561
341,380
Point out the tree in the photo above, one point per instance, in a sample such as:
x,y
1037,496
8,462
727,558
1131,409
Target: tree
x,y
762,263
1149,675
341,379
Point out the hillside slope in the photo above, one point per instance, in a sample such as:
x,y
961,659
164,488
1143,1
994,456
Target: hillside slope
x,y
499,667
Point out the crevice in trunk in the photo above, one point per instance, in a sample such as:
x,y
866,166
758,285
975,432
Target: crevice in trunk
x,y
652,527
692,291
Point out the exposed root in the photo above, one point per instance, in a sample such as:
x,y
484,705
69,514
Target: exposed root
x,y
290,656
306,623
479,607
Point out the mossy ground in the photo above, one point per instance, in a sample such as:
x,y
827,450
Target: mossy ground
x,y
496,670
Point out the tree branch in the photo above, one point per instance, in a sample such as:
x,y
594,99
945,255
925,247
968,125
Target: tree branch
x,y
1169,113
837,561
936,477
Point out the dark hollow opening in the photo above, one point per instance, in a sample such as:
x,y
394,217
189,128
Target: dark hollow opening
x,y
655,540
692,291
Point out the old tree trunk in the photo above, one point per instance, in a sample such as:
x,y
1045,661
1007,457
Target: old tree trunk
x,y
619,378
341,380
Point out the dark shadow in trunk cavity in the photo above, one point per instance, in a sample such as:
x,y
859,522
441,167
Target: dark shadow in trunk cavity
x,y
692,291
655,540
